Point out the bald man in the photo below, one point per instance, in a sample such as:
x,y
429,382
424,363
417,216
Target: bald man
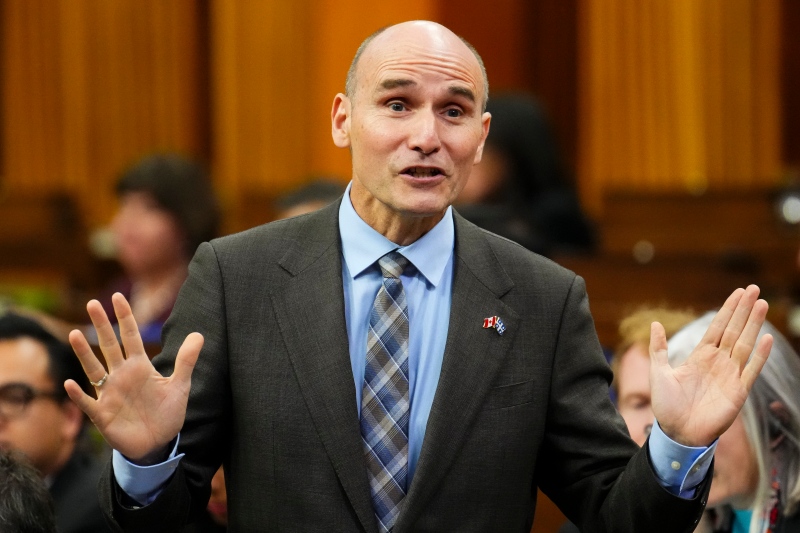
x,y
384,365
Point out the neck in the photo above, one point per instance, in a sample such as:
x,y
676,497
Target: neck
x,y
400,228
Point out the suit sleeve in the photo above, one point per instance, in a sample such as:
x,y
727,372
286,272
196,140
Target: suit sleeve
x,y
589,466
200,307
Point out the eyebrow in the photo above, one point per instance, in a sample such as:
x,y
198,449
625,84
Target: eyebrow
x,y
462,91
454,90
395,83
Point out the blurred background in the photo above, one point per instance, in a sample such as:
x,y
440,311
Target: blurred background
x,y
676,123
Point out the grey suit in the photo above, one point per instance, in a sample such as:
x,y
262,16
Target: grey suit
x,y
272,397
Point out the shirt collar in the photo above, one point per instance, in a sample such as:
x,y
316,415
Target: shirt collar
x,y
362,246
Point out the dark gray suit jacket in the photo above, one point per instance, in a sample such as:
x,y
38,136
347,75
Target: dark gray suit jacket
x,y
74,492
272,398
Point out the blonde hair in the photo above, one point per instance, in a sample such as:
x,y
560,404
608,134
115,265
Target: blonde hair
x,y
634,329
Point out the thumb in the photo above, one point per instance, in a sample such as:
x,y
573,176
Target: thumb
x,y
658,345
187,357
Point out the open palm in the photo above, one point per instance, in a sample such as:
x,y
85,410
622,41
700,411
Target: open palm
x,y
697,401
138,411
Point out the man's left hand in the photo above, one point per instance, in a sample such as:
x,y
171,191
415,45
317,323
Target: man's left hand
x,y
697,401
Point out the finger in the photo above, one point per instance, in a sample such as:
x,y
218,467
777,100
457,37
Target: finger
x,y
740,319
747,340
187,357
91,365
717,327
86,403
753,368
128,329
106,337
658,345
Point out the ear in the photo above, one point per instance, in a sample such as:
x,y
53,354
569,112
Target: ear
x,y
340,121
778,423
73,420
486,119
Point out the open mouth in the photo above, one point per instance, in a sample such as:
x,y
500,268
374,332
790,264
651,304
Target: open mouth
x,y
423,172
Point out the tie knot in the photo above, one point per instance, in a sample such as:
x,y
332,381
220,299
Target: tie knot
x,y
393,264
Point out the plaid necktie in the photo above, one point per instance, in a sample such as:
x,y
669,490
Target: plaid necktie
x,y
385,400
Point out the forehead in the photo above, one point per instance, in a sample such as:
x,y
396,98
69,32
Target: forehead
x,y
23,360
634,371
422,57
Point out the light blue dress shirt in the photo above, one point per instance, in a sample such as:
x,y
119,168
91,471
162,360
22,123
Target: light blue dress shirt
x,y
428,286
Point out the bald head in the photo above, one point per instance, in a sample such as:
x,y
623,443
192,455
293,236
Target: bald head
x,y
420,29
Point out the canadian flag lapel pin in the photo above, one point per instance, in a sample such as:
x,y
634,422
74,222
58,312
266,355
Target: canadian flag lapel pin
x,y
496,323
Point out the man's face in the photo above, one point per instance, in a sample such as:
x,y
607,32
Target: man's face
x,y
633,392
415,124
45,429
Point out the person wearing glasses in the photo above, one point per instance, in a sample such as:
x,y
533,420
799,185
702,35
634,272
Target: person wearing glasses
x,y
38,420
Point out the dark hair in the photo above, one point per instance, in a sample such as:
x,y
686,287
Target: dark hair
x,y
25,503
64,364
181,187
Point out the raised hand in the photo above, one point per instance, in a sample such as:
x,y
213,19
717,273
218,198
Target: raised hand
x,y
138,411
697,401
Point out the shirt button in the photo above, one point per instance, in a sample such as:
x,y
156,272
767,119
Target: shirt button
x,y
676,465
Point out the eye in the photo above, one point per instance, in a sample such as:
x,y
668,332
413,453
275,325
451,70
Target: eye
x,y
454,112
397,106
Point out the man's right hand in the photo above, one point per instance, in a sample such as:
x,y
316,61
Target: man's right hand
x,y
138,411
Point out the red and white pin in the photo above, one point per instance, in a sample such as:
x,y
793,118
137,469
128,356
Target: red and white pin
x,y
494,322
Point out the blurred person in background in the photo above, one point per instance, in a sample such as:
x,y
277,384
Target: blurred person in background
x,y
25,504
756,483
314,195
521,189
631,365
166,209
38,420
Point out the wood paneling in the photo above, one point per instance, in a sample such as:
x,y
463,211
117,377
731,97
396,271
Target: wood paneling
x,y
678,95
89,86
790,83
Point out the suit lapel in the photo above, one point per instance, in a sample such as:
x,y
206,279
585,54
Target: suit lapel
x,y
312,321
472,359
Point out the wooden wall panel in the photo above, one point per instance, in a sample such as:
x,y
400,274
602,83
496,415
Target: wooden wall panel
x,y
678,95
87,87
259,56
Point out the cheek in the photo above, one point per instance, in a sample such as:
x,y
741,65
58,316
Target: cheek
x,y
35,435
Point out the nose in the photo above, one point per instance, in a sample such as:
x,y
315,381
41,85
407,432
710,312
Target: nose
x,y
424,136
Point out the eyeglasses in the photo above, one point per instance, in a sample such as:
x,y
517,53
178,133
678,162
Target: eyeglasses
x,y
15,398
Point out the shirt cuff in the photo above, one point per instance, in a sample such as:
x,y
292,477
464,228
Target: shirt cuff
x,y
679,469
143,484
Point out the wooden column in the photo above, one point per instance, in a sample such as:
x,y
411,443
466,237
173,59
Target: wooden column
x,y
87,87
678,95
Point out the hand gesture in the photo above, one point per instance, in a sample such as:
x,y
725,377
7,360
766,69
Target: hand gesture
x,y
697,401
138,411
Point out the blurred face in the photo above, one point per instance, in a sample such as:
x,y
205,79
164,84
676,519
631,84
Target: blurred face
x,y
218,502
633,387
148,238
45,429
735,469
486,179
414,125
